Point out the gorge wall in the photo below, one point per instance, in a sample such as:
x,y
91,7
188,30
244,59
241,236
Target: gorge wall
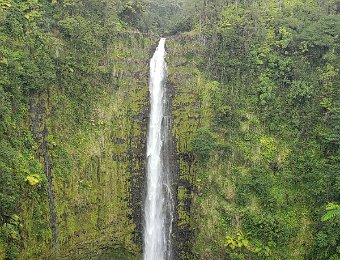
x,y
87,149
254,114
85,194
83,187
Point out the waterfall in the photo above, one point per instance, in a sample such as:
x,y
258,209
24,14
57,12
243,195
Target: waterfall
x,y
158,202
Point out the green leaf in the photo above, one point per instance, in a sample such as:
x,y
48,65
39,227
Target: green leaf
x,y
333,211
332,206
33,179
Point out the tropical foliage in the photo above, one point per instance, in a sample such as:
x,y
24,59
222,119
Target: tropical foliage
x,y
259,124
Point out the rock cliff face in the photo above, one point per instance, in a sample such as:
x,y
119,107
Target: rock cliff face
x,y
253,110
184,56
94,162
91,145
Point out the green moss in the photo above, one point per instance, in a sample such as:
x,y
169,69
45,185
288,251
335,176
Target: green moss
x,y
92,155
187,118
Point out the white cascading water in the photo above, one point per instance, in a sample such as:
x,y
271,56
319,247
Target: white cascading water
x,y
157,212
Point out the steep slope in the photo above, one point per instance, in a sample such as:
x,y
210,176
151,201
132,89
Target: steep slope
x,y
73,126
254,108
73,119
258,151
98,162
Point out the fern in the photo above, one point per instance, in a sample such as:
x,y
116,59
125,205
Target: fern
x,y
333,210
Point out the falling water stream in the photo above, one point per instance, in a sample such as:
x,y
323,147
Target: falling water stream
x,y
158,205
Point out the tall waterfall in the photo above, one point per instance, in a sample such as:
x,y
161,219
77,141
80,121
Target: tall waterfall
x,y
158,202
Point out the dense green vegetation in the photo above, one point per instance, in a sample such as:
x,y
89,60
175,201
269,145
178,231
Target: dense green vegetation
x,y
270,101
66,163
256,110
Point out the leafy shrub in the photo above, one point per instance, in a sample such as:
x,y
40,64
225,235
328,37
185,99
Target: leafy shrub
x,y
203,143
267,228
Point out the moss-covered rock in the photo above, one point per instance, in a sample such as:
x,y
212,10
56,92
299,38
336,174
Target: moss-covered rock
x,y
97,161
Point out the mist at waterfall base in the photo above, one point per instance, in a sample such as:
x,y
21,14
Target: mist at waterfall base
x,y
158,202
